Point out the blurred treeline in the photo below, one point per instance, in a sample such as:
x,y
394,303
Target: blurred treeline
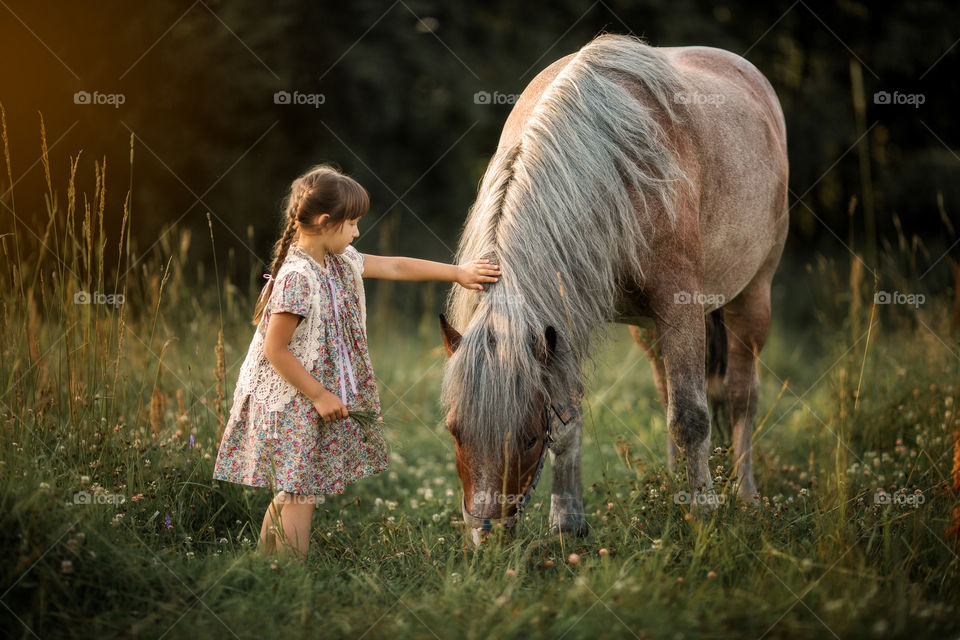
x,y
398,113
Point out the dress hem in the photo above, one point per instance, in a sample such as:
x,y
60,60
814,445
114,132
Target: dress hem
x,y
346,483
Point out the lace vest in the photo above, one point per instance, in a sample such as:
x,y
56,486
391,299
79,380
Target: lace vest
x,y
268,390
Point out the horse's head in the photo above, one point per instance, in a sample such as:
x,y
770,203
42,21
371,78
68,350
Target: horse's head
x,y
499,449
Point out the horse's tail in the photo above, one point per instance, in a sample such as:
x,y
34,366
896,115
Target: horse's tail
x,y
716,366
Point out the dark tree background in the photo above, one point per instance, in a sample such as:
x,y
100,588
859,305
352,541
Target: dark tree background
x,y
398,81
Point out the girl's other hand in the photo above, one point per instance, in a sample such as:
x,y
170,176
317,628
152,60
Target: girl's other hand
x,y
471,274
329,406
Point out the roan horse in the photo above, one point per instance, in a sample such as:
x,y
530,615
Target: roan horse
x,y
632,184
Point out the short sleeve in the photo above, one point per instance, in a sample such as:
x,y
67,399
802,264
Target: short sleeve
x,y
291,294
355,257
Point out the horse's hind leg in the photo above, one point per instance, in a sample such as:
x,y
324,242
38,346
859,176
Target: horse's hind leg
x,y
649,341
747,320
566,499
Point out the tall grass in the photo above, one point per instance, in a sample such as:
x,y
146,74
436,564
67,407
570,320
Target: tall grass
x,y
112,526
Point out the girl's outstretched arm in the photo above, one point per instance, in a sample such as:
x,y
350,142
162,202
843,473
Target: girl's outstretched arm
x,y
469,275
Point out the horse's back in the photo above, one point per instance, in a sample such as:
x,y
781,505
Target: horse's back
x,y
739,134
734,71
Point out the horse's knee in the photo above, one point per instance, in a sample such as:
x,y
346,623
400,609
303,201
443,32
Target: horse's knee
x,y
689,423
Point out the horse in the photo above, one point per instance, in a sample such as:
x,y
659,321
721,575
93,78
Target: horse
x,y
631,184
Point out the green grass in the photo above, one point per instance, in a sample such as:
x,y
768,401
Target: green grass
x,y
90,403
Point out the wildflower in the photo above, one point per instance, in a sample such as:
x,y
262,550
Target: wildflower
x,y
66,567
511,573
711,575
167,520
191,441
84,479
573,558
603,552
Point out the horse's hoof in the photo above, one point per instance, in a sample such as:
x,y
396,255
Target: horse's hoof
x,y
576,525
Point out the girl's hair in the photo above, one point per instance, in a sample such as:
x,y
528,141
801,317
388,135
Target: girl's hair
x,y
320,190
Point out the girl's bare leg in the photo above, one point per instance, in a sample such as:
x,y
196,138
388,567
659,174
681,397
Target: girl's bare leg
x,y
268,535
296,522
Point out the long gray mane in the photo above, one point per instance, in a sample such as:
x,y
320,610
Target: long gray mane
x,y
559,201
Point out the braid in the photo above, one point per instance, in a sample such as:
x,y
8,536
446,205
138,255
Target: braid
x,y
280,250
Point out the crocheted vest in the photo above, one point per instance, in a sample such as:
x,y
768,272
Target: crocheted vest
x,y
258,378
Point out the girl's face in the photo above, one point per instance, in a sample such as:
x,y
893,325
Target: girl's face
x,y
336,239
339,238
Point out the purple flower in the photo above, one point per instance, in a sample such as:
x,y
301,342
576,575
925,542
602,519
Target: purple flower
x,y
191,441
169,524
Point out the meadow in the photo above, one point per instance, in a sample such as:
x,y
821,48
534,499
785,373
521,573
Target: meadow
x,y
111,411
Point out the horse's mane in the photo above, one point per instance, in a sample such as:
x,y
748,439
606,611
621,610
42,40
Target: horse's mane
x,y
559,200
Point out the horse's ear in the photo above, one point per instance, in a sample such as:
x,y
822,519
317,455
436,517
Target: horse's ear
x,y
451,339
550,339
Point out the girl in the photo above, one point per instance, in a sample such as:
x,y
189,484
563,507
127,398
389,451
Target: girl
x,y
308,364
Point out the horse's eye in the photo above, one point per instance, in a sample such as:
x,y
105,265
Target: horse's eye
x,y
533,441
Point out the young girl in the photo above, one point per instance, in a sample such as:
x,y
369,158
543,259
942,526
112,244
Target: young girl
x,y
308,364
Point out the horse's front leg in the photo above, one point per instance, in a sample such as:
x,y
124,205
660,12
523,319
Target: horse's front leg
x,y
566,499
682,330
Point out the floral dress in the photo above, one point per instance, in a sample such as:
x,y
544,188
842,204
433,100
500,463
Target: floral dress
x,y
294,450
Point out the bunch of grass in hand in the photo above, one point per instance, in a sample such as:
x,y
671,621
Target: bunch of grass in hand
x,y
365,419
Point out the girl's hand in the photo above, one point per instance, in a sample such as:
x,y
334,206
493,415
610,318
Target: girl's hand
x,y
329,406
471,274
